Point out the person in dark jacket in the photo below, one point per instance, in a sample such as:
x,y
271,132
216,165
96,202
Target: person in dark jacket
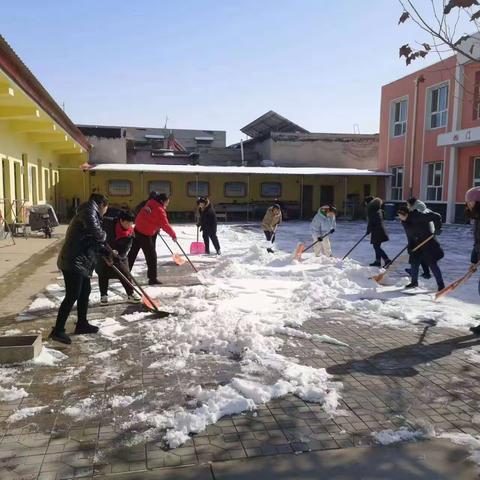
x,y
207,222
119,238
84,241
376,229
472,201
418,229
151,218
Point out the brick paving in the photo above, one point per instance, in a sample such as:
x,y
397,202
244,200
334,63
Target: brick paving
x,y
417,377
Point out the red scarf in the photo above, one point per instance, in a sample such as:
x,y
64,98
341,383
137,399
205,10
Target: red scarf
x,y
120,232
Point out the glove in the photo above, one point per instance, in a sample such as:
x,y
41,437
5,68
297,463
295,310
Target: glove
x,y
114,253
473,267
320,239
174,239
332,230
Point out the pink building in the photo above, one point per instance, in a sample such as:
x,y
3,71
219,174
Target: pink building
x,y
430,135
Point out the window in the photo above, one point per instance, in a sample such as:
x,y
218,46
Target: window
x,y
476,97
119,188
399,116
476,172
271,189
203,189
396,187
439,106
160,186
434,181
235,189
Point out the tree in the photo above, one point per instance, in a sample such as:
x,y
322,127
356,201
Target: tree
x,y
440,21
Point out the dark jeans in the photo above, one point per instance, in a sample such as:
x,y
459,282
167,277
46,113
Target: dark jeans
x,y
270,236
147,244
426,270
433,267
207,236
105,273
380,253
77,289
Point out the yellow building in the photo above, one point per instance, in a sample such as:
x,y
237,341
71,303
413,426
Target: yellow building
x,y
237,192
38,142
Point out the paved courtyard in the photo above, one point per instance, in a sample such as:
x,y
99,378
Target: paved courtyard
x,y
418,378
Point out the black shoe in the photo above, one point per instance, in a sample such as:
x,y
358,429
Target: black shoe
x,y
85,328
270,250
441,287
59,336
412,285
155,281
375,264
475,330
387,263
409,271
426,276
219,252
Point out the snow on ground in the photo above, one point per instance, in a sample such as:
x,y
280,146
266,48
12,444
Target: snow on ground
x,y
247,303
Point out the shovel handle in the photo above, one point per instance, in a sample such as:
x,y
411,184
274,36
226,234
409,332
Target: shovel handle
x,y
186,256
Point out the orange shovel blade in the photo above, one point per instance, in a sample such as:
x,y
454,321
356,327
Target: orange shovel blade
x,y
298,251
151,304
178,259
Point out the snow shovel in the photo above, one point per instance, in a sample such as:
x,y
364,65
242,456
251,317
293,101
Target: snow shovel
x,y
197,248
378,278
176,257
458,282
301,247
147,301
186,256
354,247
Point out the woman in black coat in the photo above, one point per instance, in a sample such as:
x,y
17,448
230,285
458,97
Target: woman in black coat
x,y
84,241
207,222
418,228
376,229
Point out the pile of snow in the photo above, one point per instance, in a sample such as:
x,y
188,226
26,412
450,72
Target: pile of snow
x,y
49,357
403,434
41,303
24,413
11,394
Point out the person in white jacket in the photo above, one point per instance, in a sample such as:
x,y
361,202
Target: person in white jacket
x,y
322,223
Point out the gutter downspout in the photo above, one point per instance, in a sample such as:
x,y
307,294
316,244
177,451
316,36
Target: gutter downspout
x,y
414,130
456,125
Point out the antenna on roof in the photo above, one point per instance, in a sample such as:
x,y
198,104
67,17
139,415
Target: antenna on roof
x,y
166,121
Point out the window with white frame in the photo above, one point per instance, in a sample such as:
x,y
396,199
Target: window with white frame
x,y
399,118
434,187
396,185
160,186
476,172
438,106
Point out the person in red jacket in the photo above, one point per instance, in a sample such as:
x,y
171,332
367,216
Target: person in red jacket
x,y
150,219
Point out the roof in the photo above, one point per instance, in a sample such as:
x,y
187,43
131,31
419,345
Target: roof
x,y
270,122
138,167
18,72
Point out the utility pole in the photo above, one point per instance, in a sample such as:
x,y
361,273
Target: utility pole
x,y
166,121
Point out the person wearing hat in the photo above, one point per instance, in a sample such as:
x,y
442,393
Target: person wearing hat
x,y
322,223
151,218
472,201
207,221
270,222
376,230
418,229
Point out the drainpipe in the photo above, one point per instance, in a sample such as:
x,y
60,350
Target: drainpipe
x,y
417,81
456,125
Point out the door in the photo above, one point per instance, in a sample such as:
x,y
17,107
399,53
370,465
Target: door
x,y
307,201
327,195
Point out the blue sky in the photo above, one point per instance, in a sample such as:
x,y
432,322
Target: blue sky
x,y
213,64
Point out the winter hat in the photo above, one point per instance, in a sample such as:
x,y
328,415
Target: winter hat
x,y
368,199
277,206
473,195
201,200
162,197
325,207
333,208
